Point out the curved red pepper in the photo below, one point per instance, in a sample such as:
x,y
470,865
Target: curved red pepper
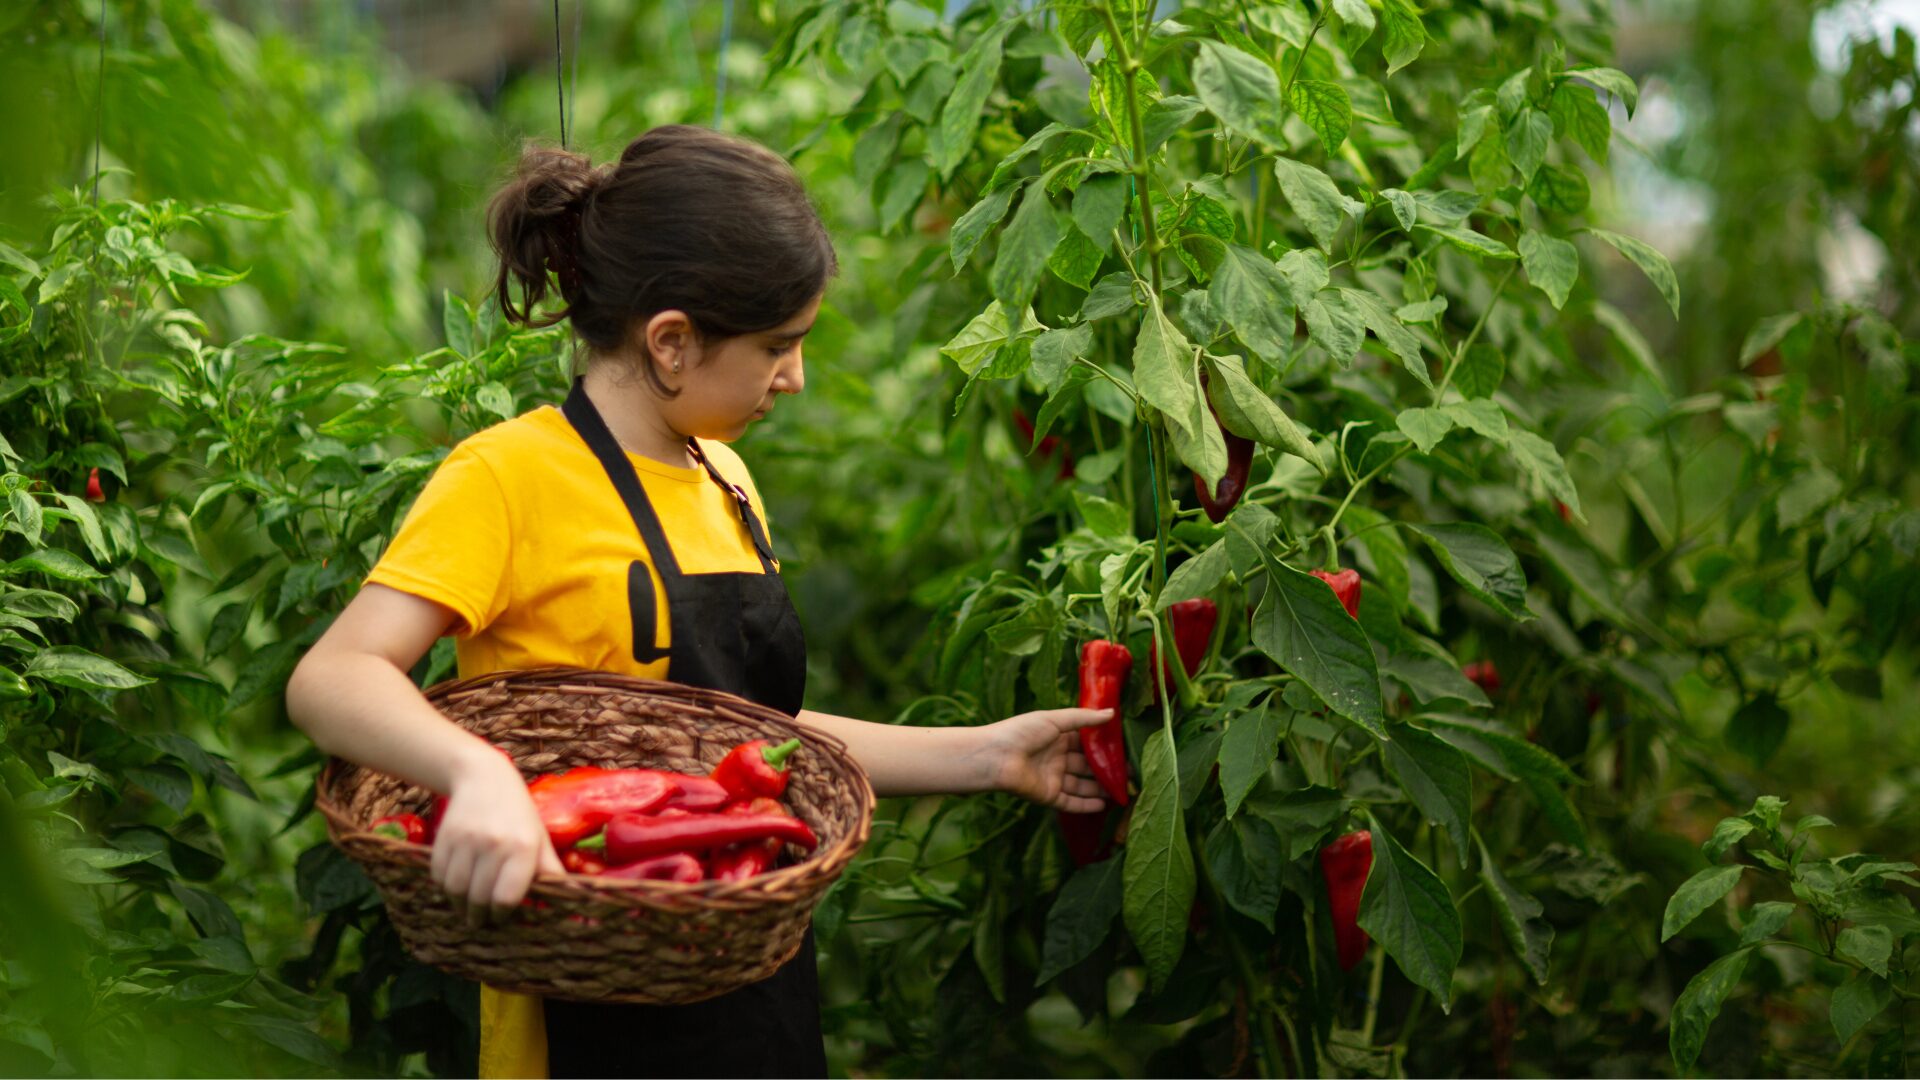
x,y
1086,842
1219,502
94,494
1104,666
675,866
1046,446
1345,585
630,837
1192,622
741,861
1345,864
575,804
755,769
700,794
409,827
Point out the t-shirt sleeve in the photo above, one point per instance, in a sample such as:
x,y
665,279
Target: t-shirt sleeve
x,y
456,544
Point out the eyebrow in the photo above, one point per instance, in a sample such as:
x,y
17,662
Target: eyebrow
x,y
793,336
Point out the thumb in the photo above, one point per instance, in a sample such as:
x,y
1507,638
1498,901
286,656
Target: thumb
x,y
550,860
1074,719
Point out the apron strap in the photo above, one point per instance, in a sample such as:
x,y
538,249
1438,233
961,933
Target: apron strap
x,y
740,499
586,419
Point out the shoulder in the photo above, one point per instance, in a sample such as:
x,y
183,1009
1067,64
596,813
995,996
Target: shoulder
x,y
527,444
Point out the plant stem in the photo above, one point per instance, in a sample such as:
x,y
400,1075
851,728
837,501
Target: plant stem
x,y
1142,188
1441,390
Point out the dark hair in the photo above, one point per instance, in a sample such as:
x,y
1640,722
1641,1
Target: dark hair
x,y
691,219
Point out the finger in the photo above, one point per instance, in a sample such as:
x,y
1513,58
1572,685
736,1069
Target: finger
x,y
1077,764
1079,804
512,884
459,875
486,871
1080,785
1070,719
550,859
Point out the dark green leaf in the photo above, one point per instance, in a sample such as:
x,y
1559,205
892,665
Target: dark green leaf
x,y
1252,741
1242,90
1315,199
1697,894
1024,249
1326,109
1757,728
1552,265
1301,625
1436,777
1857,1002
1247,860
1408,910
1159,869
1698,1004
960,117
1256,300
1081,917
974,224
1480,561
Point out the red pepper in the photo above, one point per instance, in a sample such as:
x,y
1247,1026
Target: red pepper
x,y
700,794
409,827
756,768
674,866
1562,509
1219,502
436,811
1345,864
94,493
575,804
1345,585
1047,445
630,837
1104,666
741,861
1192,623
582,862
1085,840
1483,674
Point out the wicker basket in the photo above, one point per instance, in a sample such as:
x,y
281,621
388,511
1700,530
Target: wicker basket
x,y
582,938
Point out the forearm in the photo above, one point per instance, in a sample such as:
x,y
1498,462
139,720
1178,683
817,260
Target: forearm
x,y
903,760
360,707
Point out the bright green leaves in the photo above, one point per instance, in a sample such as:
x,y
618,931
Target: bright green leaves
x,y
1166,373
1651,263
1613,81
986,335
1404,36
1528,137
1249,291
1697,894
1387,327
1578,115
1697,1006
1248,412
1473,243
972,226
1098,205
960,117
1543,462
1552,265
1409,911
1242,90
1159,871
1482,563
1026,245
1315,200
1301,625
1326,109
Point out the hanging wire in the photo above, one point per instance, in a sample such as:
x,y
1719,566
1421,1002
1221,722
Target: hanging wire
x,y
720,65
573,80
100,105
559,80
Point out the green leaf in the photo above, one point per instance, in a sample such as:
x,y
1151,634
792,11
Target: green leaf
x,y
1306,272
1004,171
1481,416
1247,860
1199,442
1651,263
981,338
1765,334
1560,190
1098,205
1159,871
1249,291
1197,576
900,190
1869,946
1251,743
1301,625
1355,13
1528,137
495,398
1480,371
1520,918
1242,90
1326,109
1543,462
1768,917
1697,894
71,665
1404,37
1698,1004
1552,265
1729,832
975,223
1315,199
1469,241
1380,319
1164,117
960,117
1437,778
1081,917
1024,249
1757,728
1406,208
1537,770
1408,910
1613,81
1423,311
1162,366
1856,1002
1580,116
56,563
1336,325
1426,427
1481,562
1248,412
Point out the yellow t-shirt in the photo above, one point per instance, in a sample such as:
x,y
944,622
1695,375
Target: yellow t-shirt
x,y
522,534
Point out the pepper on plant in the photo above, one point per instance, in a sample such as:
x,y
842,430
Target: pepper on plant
x,y
1192,623
1104,667
1345,585
1344,864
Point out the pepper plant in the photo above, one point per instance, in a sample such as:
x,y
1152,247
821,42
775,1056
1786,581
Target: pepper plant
x,y
1253,222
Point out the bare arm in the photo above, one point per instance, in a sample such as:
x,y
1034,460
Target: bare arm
x,y
1034,755
352,695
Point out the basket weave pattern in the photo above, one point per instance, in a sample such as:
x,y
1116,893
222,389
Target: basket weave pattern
x,y
581,938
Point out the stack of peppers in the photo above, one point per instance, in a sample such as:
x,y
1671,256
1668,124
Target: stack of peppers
x,y
657,825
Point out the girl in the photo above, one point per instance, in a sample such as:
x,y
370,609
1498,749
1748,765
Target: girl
x,y
619,532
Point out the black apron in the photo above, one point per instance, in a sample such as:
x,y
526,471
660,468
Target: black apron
x,y
736,632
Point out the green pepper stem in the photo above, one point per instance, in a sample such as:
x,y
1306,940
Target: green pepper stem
x,y
776,755
596,842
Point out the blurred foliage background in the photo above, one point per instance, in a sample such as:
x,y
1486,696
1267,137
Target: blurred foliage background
x,y
1774,157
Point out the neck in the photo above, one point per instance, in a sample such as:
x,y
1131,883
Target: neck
x,y
631,414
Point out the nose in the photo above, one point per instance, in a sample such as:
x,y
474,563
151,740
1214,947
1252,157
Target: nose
x,y
792,378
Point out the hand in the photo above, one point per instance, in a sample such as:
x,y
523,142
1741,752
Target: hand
x,y
491,841
1037,756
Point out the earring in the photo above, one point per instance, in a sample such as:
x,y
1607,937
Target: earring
x,y
676,366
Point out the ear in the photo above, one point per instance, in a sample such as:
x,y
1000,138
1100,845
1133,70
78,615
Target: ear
x,y
668,342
